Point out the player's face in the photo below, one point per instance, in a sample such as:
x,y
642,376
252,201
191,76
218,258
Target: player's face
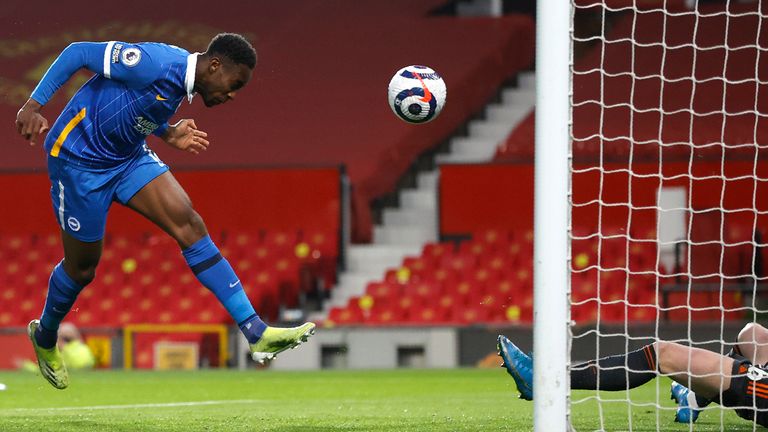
x,y
224,81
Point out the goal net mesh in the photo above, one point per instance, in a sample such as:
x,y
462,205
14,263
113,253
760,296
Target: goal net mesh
x,y
669,192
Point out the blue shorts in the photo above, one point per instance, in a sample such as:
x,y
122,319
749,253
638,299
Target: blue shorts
x,y
82,197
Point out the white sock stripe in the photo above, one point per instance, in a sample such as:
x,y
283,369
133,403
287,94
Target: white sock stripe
x,y
133,406
692,400
61,204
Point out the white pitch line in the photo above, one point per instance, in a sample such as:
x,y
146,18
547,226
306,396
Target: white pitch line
x,y
157,405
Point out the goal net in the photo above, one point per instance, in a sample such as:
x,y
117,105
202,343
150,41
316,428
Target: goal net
x,y
668,189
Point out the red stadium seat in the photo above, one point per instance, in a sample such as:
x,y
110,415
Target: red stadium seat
x,y
504,289
384,293
386,316
436,251
477,249
344,316
164,294
516,252
280,240
16,245
494,239
418,266
443,277
324,242
470,314
426,291
429,315
465,292
242,240
459,263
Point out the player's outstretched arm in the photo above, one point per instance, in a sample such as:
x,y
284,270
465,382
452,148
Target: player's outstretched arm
x,y
185,136
29,122
76,56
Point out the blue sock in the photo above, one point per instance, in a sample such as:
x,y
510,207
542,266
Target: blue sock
x,y
62,293
215,273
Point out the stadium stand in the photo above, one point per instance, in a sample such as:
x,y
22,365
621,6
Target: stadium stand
x,y
286,251
487,279
622,110
144,279
331,115
484,280
619,74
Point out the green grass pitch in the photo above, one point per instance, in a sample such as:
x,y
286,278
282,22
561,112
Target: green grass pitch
x,y
262,400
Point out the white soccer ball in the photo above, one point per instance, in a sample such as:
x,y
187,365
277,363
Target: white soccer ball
x,y
417,94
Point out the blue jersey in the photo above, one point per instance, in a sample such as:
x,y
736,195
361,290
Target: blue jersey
x,y
136,90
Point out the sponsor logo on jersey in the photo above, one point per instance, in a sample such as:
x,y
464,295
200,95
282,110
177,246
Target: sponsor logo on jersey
x,y
131,56
144,126
756,374
116,52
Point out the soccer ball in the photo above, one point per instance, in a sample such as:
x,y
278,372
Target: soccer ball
x,y
417,94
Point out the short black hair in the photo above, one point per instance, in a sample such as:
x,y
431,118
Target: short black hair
x,y
234,47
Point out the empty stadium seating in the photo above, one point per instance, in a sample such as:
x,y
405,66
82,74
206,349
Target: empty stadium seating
x,y
144,279
484,280
489,280
666,91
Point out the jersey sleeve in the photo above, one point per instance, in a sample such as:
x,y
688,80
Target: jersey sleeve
x,y
160,131
114,60
132,64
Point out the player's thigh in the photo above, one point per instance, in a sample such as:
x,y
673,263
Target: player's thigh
x,y
163,201
707,372
151,190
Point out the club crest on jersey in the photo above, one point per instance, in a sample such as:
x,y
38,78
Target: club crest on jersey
x,y
73,223
131,56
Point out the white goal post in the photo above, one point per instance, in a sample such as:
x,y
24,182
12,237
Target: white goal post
x,y
551,242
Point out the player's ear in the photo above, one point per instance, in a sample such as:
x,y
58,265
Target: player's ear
x,y
214,64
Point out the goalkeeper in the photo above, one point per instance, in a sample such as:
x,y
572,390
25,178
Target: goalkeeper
x,y
738,380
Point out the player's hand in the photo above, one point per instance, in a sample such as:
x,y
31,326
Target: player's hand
x,y
185,135
29,122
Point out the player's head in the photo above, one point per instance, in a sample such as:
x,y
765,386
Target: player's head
x,y
224,68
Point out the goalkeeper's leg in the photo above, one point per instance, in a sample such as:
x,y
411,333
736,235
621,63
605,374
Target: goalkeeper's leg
x,y
708,373
752,345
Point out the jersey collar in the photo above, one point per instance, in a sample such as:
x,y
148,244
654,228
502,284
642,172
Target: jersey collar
x,y
189,79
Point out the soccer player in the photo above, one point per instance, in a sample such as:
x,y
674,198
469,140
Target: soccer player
x,y
737,383
752,346
97,154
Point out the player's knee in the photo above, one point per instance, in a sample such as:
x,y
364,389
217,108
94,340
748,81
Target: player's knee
x,y
190,230
753,332
663,352
83,275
